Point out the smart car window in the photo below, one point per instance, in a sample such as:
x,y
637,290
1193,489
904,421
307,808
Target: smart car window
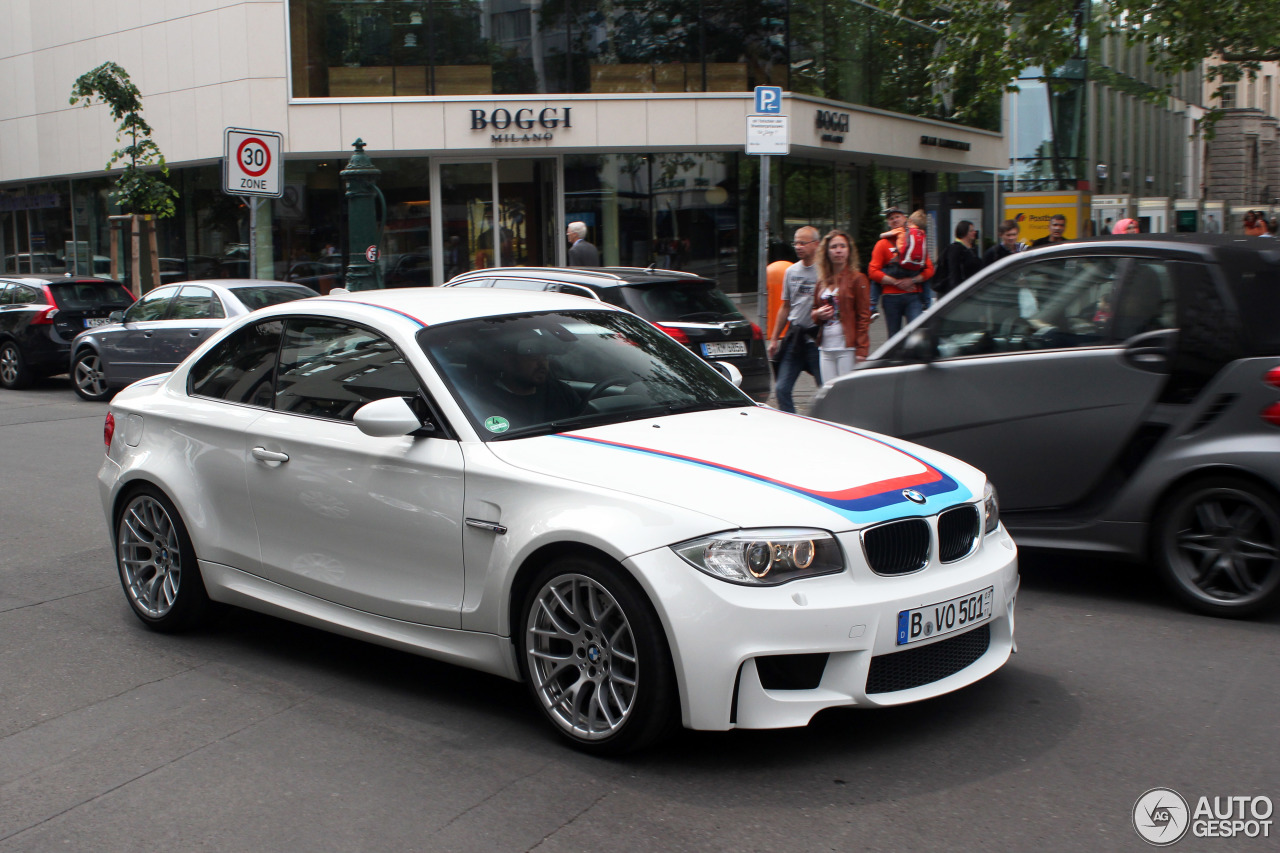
x,y
1147,300
1050,304
330,369
151,306
195,303
241,367
527,374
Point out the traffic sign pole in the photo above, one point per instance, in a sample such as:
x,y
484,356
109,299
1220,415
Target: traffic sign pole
x,y
767,133
762,251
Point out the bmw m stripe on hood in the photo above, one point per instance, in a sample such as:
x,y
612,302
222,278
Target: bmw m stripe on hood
x,y
869,502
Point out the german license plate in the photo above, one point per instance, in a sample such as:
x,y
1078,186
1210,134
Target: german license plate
x,y
723,348
90,322
947,617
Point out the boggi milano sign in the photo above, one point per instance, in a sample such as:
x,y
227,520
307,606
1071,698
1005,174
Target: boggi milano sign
x,y
521,125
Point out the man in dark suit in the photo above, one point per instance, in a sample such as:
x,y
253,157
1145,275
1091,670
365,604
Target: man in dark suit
x,y
959,260
581,253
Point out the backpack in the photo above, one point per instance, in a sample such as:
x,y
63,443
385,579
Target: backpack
x,y
912,257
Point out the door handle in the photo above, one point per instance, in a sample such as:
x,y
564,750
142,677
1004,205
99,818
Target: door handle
x,y
264,455
147,334
194,333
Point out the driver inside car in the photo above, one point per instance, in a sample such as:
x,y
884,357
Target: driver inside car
x,y
524,391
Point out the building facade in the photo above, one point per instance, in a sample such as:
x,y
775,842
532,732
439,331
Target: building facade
x,y
493,122
1242,163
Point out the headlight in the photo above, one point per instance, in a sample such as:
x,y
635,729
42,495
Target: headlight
x,y
991,507
764,557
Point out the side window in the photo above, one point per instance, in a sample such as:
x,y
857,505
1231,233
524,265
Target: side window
x,y
241,369
25,295
1147,300
519,284
329,369
195,303
152,306
1051,304
475,282
6,294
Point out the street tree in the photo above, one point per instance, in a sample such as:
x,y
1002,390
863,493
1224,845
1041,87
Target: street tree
x,y
994,42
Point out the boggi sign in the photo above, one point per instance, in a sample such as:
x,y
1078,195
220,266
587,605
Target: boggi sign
x,y
513,125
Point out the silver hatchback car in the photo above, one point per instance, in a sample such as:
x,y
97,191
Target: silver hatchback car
x,y
1123,395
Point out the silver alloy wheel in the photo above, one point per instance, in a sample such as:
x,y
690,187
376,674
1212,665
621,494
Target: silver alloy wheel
x,y
9,364
88,375
582,656
150,556
1222,546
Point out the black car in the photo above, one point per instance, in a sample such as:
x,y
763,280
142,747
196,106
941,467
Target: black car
x,y
689,308
1123,394
164,327
41,314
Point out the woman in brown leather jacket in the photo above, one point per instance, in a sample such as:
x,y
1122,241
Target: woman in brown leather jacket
x,y
841,306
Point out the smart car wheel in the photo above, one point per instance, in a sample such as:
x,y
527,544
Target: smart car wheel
x,y
596,658
87,376
157,563
1218,546
13,367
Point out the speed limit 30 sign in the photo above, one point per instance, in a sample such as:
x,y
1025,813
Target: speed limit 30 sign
x,y
251,163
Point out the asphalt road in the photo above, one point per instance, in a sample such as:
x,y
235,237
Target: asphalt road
x,y
259,735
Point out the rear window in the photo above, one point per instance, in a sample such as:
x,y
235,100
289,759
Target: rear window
x,y
89,295
264,297
681,301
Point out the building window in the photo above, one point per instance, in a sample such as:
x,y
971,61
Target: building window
x,y
1227,96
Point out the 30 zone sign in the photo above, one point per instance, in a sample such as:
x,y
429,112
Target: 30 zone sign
x,y
251,163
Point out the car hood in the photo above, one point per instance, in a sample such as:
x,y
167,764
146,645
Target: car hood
x,y
755,467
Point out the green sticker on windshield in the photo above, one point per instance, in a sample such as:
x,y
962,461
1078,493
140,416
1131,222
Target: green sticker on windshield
x,y
496,424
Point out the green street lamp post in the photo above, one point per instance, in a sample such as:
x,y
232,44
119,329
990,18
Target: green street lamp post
x,y
364,230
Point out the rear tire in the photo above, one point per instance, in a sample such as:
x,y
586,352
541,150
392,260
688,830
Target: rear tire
x,y
14,373
1217,544
595,657
87,377
157,563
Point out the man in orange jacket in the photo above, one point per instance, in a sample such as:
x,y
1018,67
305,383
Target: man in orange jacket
x,y
900,297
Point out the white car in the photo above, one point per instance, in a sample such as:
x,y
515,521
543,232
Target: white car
x,y
556,492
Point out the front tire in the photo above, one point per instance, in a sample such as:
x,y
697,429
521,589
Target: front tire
x,y
596,658
14,373
1217,544
87,377
157,563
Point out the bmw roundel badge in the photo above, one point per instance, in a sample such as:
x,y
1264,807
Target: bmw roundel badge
x,y
913,496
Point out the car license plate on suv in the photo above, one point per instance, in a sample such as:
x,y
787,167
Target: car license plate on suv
x,y
723,348
947,617
90,322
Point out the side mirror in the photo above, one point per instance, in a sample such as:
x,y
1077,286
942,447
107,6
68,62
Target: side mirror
x,y
115,317
920,346
731,372
387,417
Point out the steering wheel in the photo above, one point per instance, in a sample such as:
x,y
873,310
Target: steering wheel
x,y
603,385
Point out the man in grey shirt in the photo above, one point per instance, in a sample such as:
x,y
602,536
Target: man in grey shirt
x,y
797,351
581,252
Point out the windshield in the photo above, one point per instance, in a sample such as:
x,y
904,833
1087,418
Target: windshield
x,y
88,295
533,374
266,296
681,301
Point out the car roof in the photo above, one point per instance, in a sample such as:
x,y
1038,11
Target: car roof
x,y
53,278
594,277
435,305
1216,245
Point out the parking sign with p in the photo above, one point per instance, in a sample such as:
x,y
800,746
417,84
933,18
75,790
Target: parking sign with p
x,y
768,100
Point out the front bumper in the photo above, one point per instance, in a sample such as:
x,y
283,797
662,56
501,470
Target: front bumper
x,y
723,636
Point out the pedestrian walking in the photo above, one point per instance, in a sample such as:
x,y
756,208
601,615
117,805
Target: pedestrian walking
x,y
797,351
900,295
1255,224
1008,244
841,307
959,260
1057,225
581,252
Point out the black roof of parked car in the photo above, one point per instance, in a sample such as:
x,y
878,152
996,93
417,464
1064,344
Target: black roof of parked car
x,y
589,276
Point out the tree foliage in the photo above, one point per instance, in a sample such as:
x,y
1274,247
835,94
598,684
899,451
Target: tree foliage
x,y
137,190
994,42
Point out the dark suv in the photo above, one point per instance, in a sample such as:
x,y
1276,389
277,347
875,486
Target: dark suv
x,y
1123,394
40,314
689,308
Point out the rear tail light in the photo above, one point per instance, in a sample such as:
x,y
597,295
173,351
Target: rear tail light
x,y
756,334
109,430
45,317
678,334
1273,377
1271,414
